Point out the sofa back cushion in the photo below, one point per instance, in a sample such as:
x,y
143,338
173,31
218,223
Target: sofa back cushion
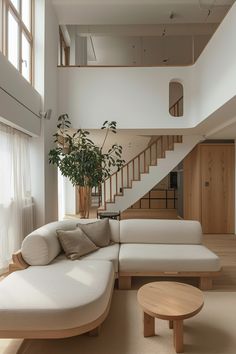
x,y
160,231
42,245
114,226
98,232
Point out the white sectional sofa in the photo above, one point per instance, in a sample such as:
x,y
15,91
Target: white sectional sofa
x,y
51,296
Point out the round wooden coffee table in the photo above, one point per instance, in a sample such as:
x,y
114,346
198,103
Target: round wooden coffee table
x,y
170,301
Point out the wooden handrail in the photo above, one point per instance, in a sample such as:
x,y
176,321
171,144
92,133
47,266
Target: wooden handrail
x,y
166,143
142,152
176,104
179,99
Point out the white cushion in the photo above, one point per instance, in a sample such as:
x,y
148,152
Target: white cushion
x,y
42,245
160,231
167,258
109,253
65,294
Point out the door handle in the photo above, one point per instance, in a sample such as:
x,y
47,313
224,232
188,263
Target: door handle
x,y
207,184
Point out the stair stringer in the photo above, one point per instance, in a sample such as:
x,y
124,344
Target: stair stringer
x,y
155,174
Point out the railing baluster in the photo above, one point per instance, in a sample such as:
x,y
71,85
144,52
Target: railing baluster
x,y
133,170
111,189
144,161
116,183
139,172
104,189
156,152
122,180
128,175
162,146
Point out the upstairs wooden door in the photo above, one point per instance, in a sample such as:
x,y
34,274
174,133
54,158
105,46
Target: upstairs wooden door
x,y
217,188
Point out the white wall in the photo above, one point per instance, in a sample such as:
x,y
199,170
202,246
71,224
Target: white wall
x,y
44,176
19,101
215,70
43,97
50,102
134,97
137,97
37,144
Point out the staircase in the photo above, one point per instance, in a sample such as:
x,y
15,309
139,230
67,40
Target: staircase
x,y
143,172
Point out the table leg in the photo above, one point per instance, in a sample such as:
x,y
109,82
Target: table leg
x,y
171,326
178,336
148,325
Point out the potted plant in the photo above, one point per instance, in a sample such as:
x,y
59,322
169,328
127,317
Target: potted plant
x,y
84,163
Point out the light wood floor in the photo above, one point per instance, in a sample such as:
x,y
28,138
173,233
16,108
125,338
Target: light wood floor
x,y
138,214
225,247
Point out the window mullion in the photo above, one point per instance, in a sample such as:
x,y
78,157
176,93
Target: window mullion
x,y
5,28
20,47
27,32
32,41
15,12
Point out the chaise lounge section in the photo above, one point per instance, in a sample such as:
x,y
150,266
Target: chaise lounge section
x,y
59,300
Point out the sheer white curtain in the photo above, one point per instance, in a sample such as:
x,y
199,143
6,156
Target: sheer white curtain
x,y
15,191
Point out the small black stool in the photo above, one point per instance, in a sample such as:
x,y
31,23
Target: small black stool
x,y
110,215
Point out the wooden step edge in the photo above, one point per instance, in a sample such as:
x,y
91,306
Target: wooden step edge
x,y
101,209
110,202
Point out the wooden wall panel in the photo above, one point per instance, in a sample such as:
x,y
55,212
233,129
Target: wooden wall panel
x,y
217,188
209,187
192,186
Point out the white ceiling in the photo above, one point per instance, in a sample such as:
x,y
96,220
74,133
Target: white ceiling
x,y
130,32
132,144
127,12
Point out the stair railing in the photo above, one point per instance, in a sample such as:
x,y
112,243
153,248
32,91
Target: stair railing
x,y
176,109
115,184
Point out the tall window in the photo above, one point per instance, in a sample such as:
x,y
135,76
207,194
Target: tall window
x,y
17,35
16,207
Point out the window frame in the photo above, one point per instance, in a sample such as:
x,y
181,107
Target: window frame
x,y
7,6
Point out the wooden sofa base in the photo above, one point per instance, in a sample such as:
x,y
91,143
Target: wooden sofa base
x,y
92,329
205,278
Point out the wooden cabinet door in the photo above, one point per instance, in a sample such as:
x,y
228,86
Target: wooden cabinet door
x,y
217,188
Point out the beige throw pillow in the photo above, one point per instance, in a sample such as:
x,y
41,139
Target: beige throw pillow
x,y
98,232
75,243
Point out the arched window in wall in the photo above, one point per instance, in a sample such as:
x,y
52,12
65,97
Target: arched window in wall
x,y
176,99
